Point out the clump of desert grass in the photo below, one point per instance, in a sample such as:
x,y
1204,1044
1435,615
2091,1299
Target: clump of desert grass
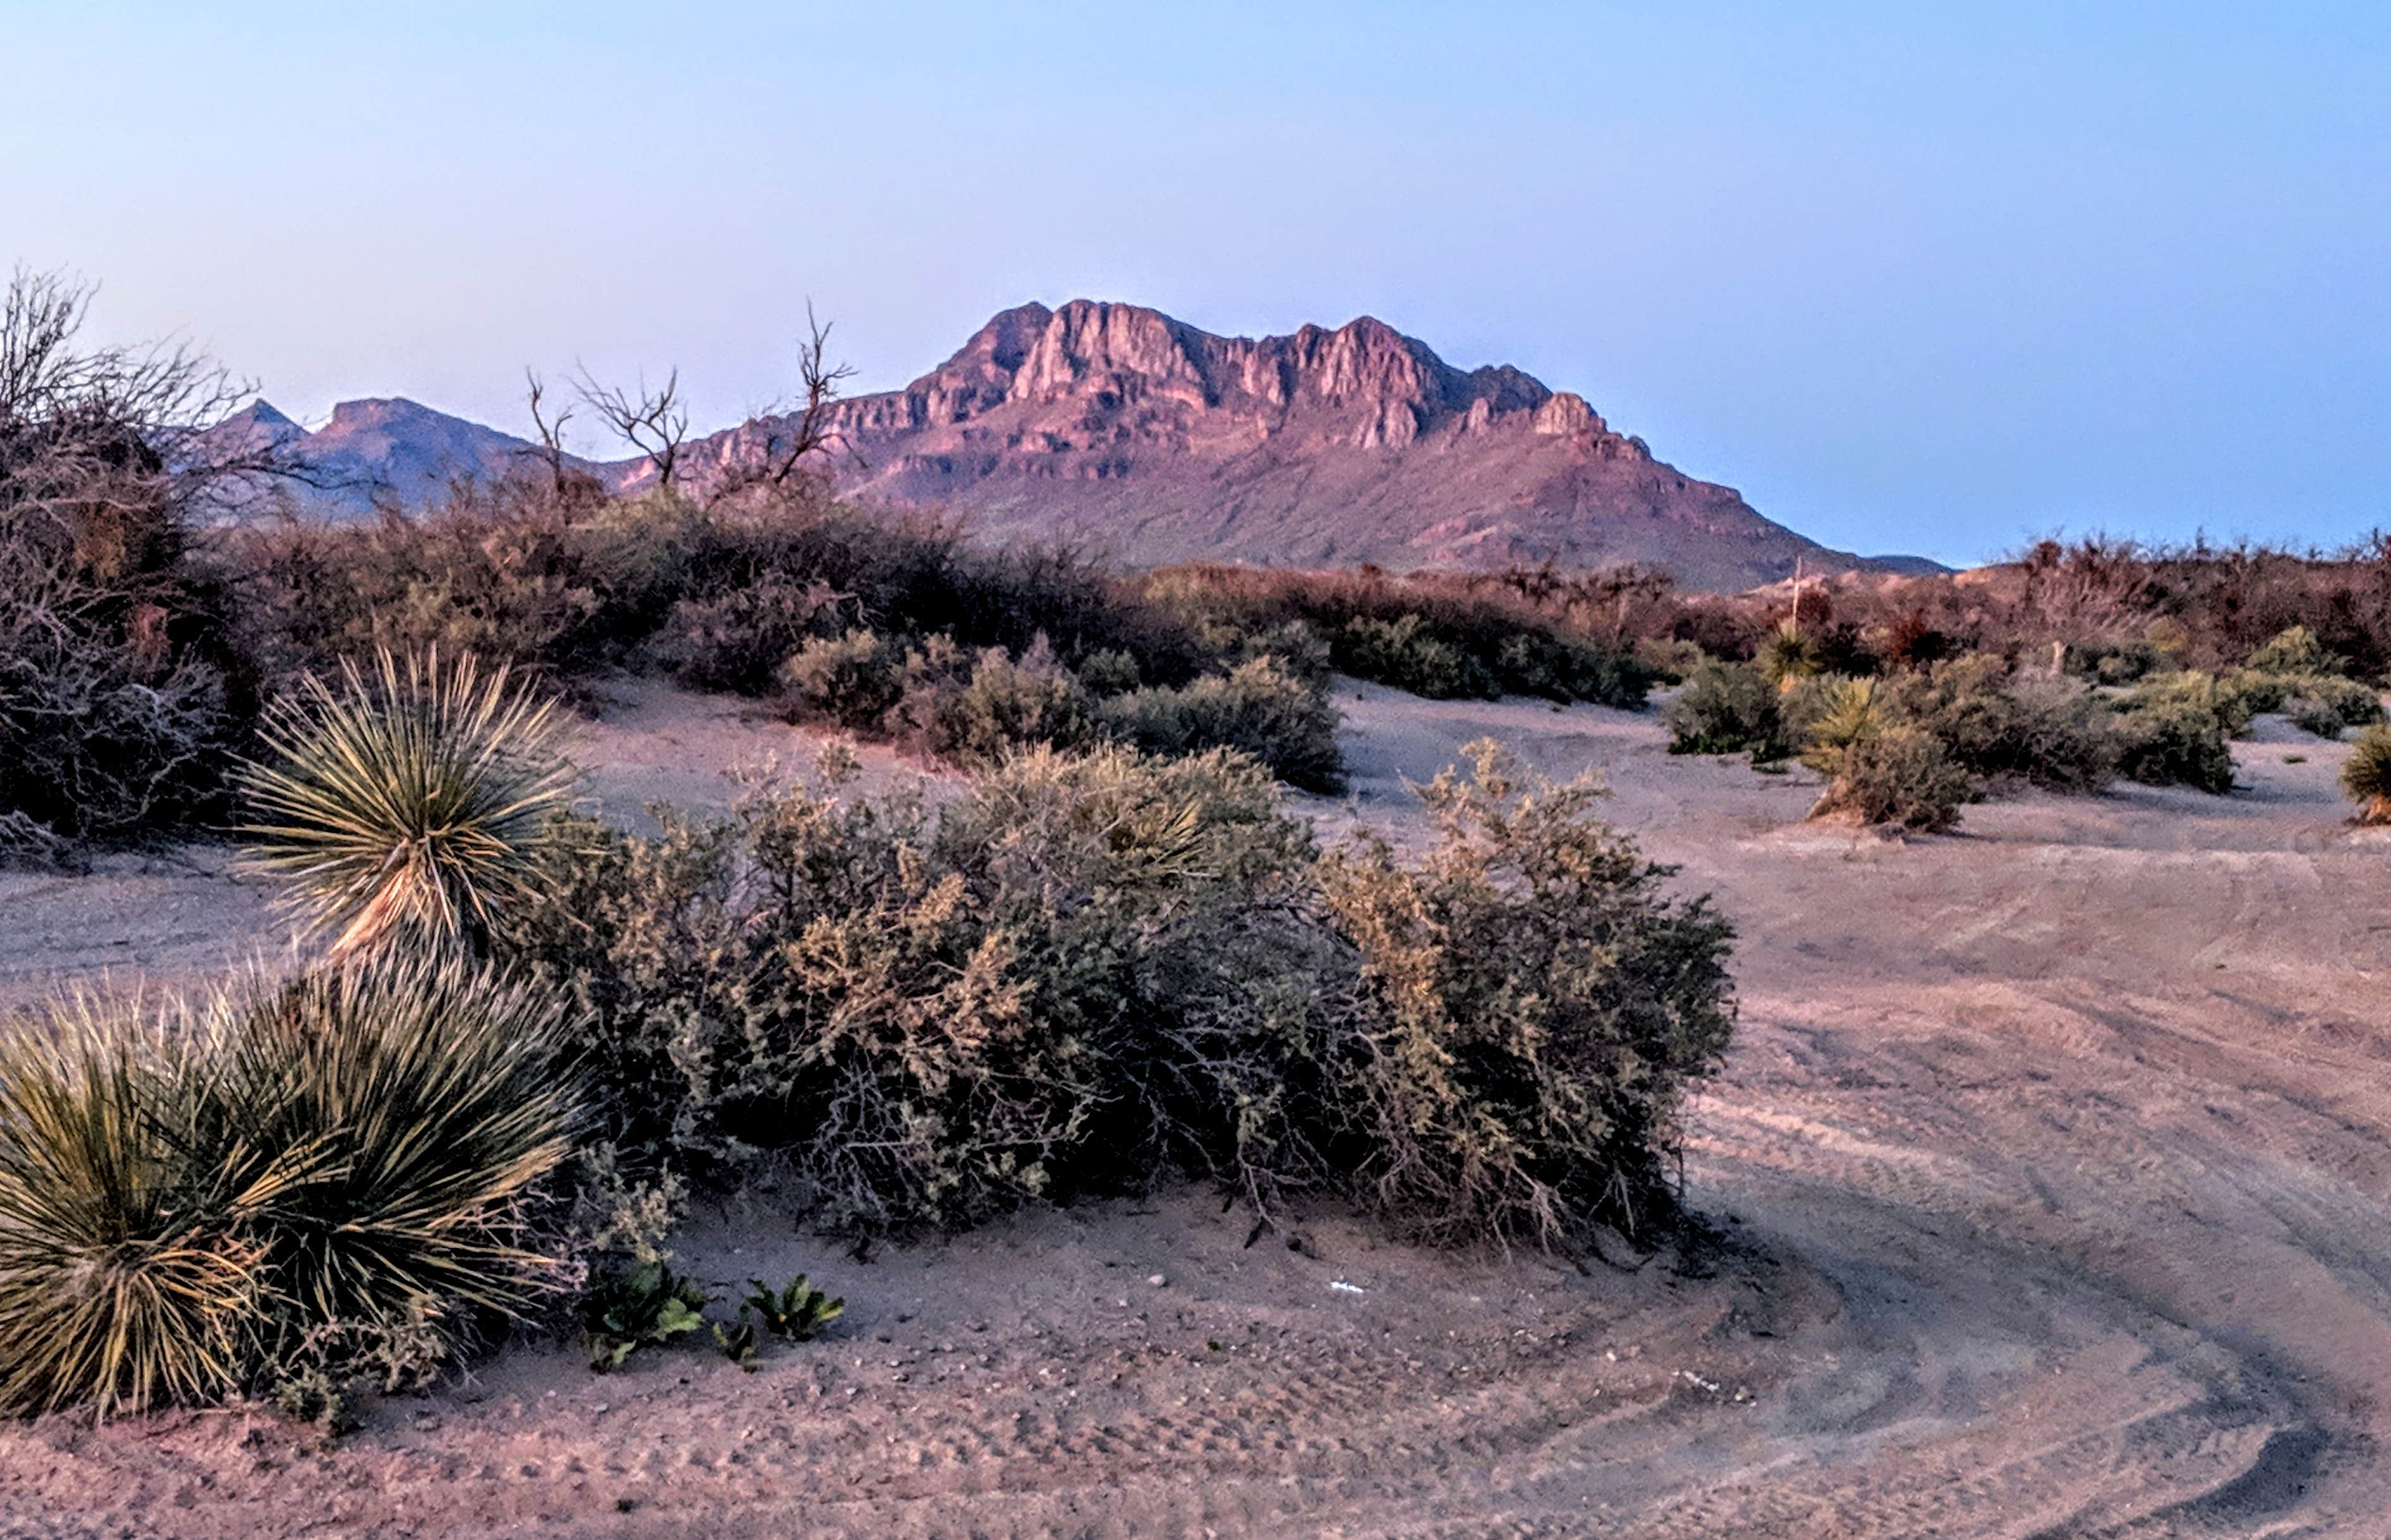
x,y
406,804
2366,774
204,1195
127,1271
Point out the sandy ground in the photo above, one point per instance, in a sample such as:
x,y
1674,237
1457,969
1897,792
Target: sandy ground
x,y
2053,1153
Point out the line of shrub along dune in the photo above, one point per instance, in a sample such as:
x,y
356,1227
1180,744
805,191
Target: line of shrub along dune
x,y
528,1040
1913,743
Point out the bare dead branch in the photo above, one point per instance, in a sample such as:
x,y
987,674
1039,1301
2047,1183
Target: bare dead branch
x,y
656,424
791,435
552,434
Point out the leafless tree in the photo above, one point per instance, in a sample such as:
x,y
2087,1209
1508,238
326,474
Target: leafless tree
x,y
787,442
653,422
111,703
552,434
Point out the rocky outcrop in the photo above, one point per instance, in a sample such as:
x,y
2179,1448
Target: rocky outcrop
x,y
1127,431
1118,427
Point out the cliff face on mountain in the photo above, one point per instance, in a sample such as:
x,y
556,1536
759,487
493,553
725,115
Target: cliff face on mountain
x,y
1135,435
1145,439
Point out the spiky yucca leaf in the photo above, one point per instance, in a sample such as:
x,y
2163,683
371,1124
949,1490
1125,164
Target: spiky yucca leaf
x,y
407,805
440,1092
1787,655
2366,774
1852,713
124,1274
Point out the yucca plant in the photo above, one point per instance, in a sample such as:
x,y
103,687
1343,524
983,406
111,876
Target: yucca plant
x,y
407,807
2366,774
1850,713
439,1096
1788,655
127,1274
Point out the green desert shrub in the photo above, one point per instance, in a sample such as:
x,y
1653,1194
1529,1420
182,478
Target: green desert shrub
x,y
852,679
929,1018
2176,738
404,808
1725,708
2294,650
289,1182
1405,654
2192,690
1534,1009
1260,709
2366,774
974,715
1097,971
2316,718
2243,693
2325,703
1995,723
1444,635
1899,774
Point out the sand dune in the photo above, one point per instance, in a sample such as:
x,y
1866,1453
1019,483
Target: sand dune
x,y
2052,1157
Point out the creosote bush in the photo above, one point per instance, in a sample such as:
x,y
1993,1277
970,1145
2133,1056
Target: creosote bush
x,y
1098,970
1260,709
1992,722
1726,708
1533,1011
1898,774
1440,635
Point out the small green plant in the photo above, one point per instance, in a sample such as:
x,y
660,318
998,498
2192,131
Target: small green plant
x,y
795,1313
406,807
737,1338
645,1304
2366,774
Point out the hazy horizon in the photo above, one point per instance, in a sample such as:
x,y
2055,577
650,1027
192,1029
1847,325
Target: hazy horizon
x,y
1931,284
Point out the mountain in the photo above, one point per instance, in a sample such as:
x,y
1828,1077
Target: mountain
x,y
1144,438
371,452
1121,428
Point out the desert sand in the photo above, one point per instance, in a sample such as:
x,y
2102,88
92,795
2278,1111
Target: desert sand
x,y
2053,1157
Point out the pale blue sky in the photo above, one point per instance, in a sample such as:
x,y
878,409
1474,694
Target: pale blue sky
x,y
1933,277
